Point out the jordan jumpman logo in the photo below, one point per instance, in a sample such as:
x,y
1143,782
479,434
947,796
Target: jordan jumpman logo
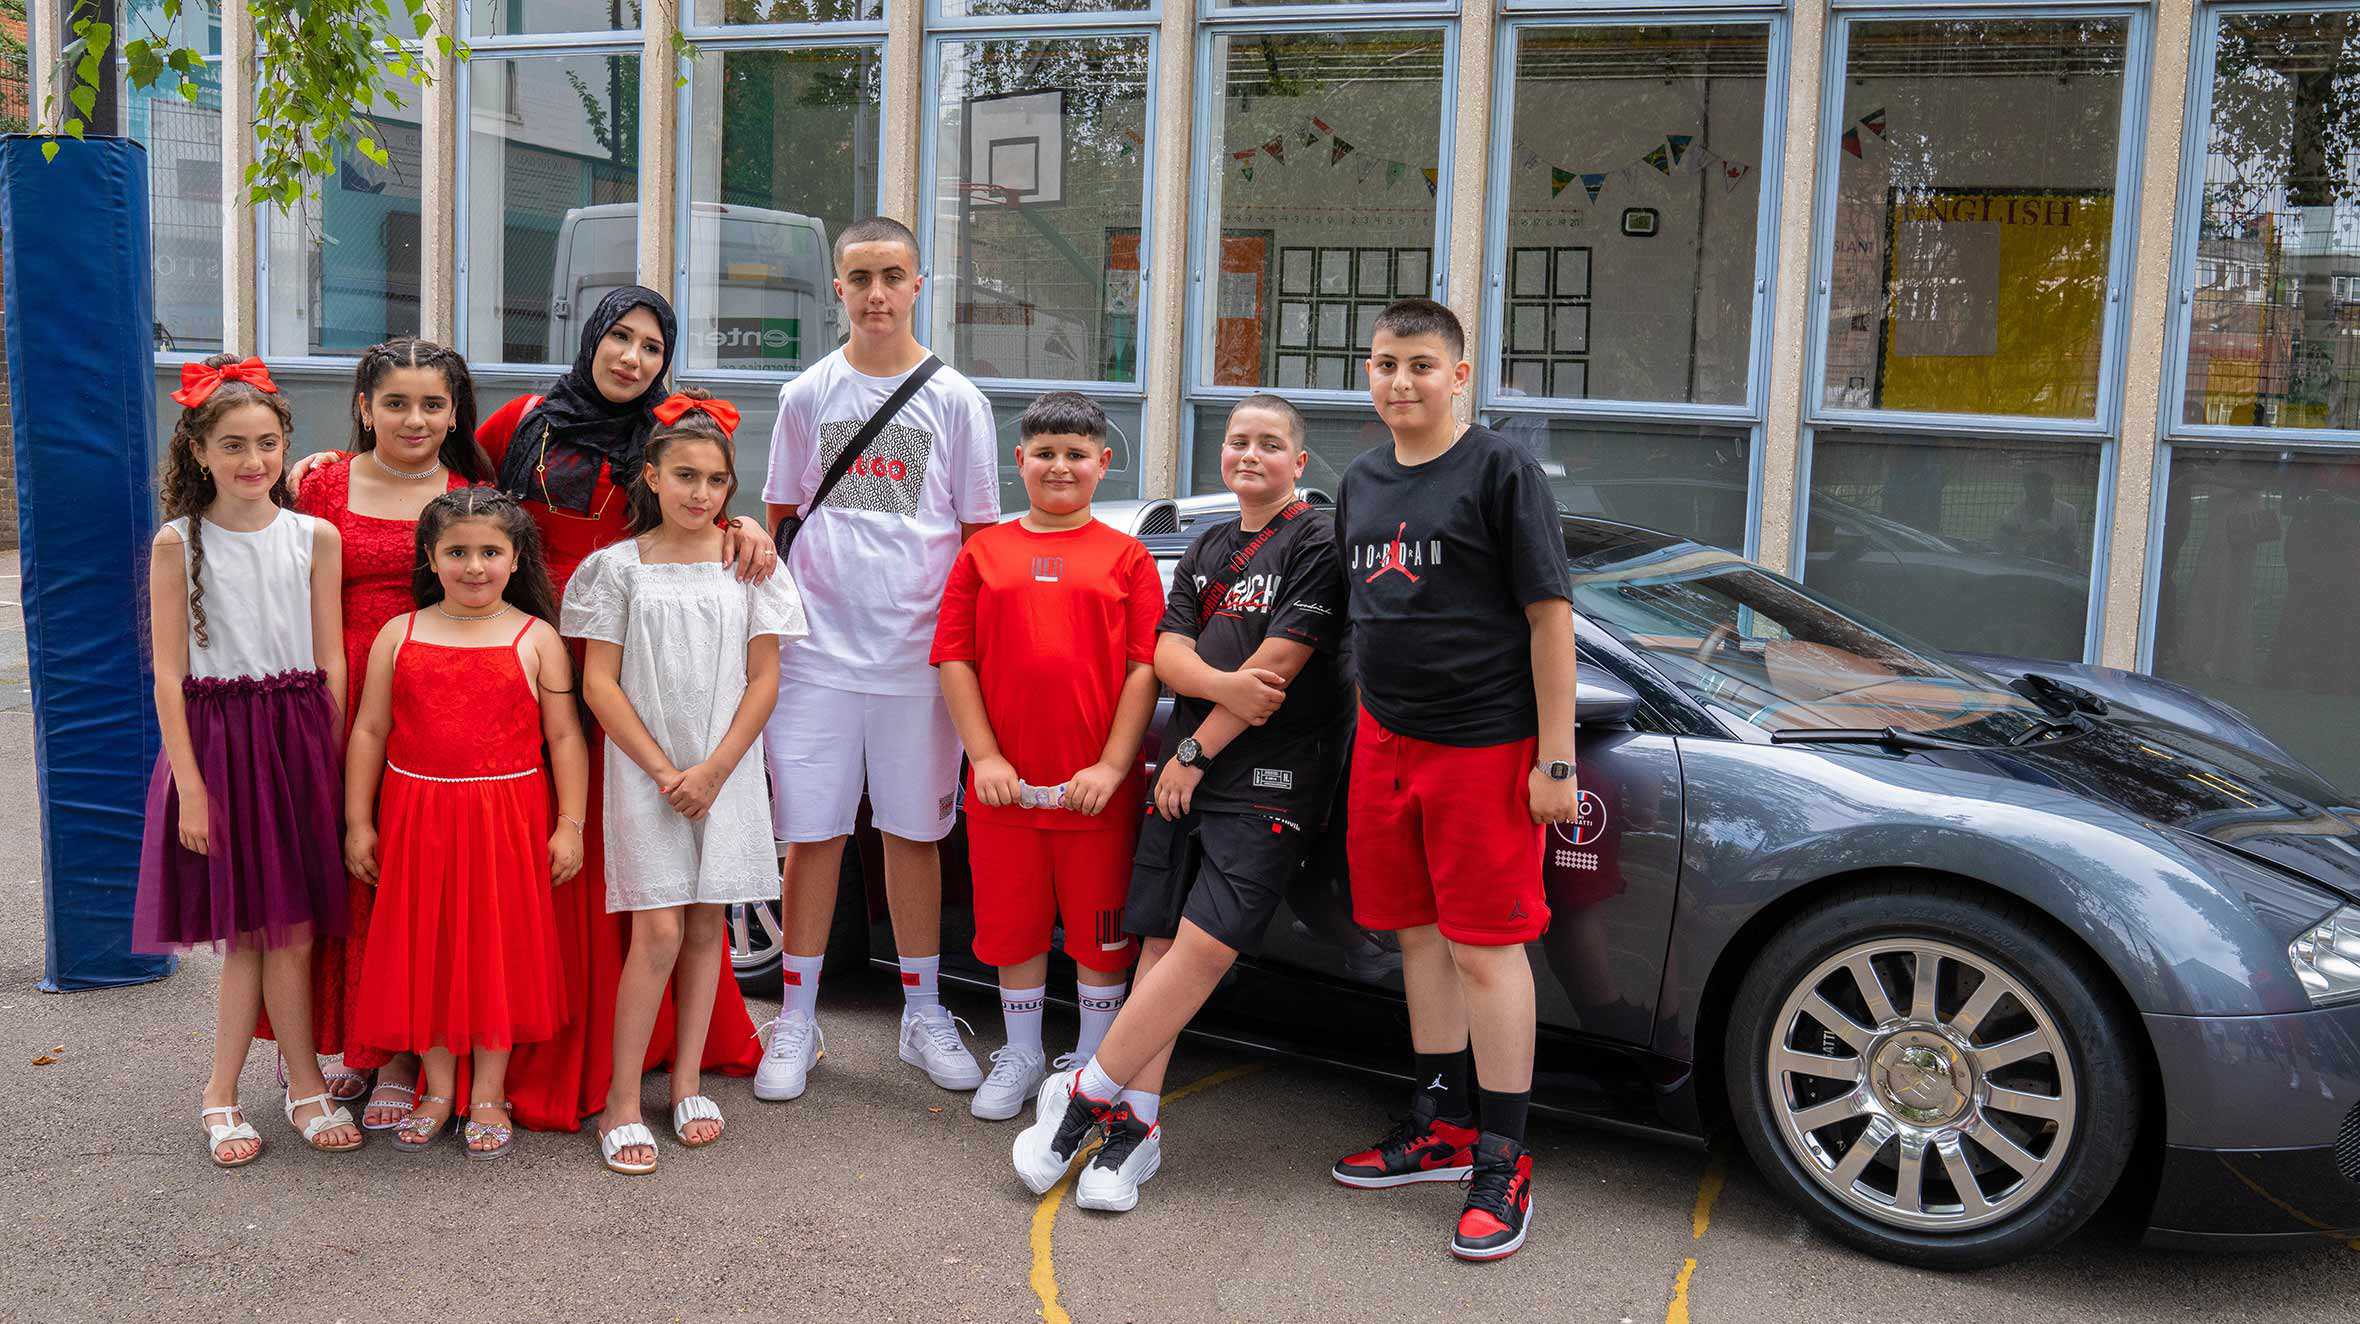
x,y
1395,558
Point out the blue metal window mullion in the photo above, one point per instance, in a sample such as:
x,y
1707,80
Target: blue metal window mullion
x,y
2187,228
2101,552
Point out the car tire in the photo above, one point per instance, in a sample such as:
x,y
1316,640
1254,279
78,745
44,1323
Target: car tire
x,y
2022,1082
756,932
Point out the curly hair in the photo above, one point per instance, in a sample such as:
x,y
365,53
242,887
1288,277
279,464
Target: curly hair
x,y
528,587
645,512
185,489
461,454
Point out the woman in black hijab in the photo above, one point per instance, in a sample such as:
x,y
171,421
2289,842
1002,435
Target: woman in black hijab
x,y
571,455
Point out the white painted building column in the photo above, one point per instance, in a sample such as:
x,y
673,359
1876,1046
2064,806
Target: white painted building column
x,y
659,137
1163,360
1790,303
904,111
438,183
240,254
1470,174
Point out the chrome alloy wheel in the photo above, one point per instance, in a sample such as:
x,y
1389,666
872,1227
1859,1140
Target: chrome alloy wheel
x,y
1922,1085
757,938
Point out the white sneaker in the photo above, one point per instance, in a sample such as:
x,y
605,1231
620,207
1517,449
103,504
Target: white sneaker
x,y
1061,1125
1016,1073
930,1040
791,1044
1131,1154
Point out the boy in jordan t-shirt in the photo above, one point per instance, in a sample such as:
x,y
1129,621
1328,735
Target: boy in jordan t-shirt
x,y
857,703
1046,652
1249,636
1462,632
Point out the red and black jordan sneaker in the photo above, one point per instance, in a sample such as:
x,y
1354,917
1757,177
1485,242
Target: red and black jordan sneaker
x,y
1419,1148
1499,1201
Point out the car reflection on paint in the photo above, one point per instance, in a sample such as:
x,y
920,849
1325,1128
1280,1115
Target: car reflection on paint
x,y
1961,950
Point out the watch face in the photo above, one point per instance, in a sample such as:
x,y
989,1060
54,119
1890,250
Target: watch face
x,y
1189,751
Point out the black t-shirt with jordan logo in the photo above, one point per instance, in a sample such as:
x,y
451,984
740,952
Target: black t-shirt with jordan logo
x,y
1290,587
1441,560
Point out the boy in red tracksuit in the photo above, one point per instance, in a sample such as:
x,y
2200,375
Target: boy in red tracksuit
x,y
1046,652
1462,635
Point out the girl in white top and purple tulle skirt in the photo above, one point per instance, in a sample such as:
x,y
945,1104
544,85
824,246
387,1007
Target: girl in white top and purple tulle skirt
x,y
244,847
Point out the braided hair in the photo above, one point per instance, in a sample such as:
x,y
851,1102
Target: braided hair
x,y
461,454
528,587
185,489
646,512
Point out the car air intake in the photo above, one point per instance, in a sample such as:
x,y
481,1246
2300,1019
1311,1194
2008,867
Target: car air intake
x,y
1164,518
2347,1146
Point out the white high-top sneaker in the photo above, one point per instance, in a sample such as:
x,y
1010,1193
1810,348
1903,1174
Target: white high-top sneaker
x,y
792,1043
930,1040
1015,1074
1131,1154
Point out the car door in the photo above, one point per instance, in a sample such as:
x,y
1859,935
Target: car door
x,y
1610,880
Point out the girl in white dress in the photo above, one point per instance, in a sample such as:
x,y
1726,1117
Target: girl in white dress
x,y
682,670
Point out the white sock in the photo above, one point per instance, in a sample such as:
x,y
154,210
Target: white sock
x,y
1145,1106
1020,1008
1095,1083
1099,1003
802,984
920,981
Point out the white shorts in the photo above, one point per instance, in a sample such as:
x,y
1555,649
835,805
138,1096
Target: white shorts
x,y
824,744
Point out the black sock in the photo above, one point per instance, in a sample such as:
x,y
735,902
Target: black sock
x,y
1445,1085
1503,1113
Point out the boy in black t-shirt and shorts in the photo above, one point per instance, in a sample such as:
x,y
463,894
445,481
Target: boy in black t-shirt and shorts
x,y
1248,645
1462,635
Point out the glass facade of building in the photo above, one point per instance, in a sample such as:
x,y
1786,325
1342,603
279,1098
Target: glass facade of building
x,y
1886,306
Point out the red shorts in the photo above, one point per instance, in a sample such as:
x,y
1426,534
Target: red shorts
x,y
1443,835
1026,878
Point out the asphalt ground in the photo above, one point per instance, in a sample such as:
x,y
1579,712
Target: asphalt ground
x,y
876,1197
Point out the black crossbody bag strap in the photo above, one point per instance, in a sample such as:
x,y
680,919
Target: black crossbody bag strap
x,y
789,525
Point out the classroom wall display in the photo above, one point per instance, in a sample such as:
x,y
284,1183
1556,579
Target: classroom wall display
x,y
1547,323
1326,314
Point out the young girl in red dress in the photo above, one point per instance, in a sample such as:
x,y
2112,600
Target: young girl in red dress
x,y
447,811
413,440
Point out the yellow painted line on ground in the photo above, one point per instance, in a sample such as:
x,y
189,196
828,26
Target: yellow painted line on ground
x,y
1708,1190
1044,1219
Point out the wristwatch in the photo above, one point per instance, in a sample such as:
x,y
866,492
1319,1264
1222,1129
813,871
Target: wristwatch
x,y
1192,755
1559,770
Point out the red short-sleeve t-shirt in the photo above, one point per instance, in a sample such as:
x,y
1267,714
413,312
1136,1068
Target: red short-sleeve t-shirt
x,y
1051,622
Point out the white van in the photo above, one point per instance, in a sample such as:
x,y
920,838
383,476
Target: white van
x,y
759,294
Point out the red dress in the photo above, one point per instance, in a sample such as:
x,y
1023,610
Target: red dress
x,y
464,951
554,1085
378,556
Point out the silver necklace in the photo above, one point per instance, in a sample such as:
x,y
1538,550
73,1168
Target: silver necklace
x,y
505,608
427,472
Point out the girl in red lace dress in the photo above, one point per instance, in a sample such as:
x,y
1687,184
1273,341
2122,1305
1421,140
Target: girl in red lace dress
x,y
413,439
447,811
571,457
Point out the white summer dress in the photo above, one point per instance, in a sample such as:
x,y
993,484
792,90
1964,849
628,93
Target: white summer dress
x,y
683,630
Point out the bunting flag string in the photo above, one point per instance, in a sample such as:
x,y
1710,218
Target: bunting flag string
x,y
1338,149
1558,179
1433,176
1852,141
1874,121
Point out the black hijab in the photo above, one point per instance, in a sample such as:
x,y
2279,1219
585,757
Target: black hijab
x,y
585,428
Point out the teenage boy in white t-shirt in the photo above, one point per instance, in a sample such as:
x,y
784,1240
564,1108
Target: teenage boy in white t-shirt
x,y
858,704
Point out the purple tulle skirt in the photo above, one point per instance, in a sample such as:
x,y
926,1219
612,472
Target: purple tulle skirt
x,y
269,749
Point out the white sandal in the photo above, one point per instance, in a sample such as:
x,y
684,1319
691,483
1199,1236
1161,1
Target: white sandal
x,y
624,1137
222,1134
332,1115
695,1108
407,1106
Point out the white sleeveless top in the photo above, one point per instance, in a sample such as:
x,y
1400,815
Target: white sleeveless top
x,y
257,599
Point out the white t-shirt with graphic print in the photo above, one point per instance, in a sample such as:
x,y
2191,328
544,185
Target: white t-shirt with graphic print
x,y
872,560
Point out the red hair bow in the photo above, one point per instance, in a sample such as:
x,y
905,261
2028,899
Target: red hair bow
x,y
721,411
198,381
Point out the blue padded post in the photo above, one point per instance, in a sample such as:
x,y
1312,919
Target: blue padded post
x,y
81,366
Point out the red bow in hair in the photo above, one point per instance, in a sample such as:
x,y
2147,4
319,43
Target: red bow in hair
x,y
198,381
721,411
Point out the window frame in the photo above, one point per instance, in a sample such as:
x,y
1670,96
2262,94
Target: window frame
x,y
2105,421
1487,382
1204,221
507,51
1078,20
837,36
930,115
2188,224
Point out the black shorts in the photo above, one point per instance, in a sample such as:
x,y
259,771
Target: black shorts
x,y
1224,872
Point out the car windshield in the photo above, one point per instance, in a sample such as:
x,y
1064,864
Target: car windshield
x,y
1764,651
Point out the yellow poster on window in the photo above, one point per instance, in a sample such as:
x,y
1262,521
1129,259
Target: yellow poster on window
x,y
1995,301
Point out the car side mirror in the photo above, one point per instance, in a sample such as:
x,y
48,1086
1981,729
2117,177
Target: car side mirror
x,y
1603,704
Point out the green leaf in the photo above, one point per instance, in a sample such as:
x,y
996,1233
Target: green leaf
x,y
191,91
425,22
85,99
49,150
101,35
366,147
73,129
184,60
87,70
443,46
